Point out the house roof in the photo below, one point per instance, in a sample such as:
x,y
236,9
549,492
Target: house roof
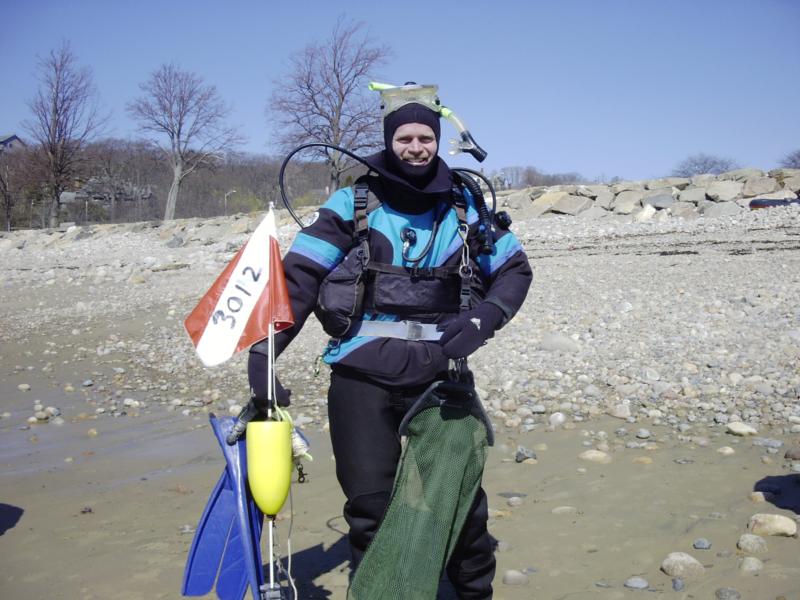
x,y
6,140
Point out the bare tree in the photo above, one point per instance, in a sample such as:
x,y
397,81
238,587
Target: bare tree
x,y
120,173
791,160
700,163
6,194
65,118
191,114
324,98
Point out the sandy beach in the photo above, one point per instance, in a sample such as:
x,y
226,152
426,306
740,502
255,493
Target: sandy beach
x,y
100,498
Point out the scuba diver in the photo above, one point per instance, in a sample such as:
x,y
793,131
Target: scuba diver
x,y
409,279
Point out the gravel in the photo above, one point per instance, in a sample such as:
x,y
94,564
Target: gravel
x,y
678,323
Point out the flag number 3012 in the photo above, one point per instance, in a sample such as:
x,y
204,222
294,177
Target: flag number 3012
x,y
235,303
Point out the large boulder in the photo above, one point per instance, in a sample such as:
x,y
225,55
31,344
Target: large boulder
x,y
779,195
721,209
645,214
591,191
604,199
784,173
626,202
519,200
567,187
692,194
740,174
667,182
703,180
660,198
684,210
593,213
626,186
792,183
755,186
571,205
545,202
724,191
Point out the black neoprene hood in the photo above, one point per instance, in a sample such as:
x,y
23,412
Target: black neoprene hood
x,y
410,113
418,178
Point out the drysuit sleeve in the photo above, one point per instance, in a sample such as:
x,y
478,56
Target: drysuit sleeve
x,y
316,250
508,274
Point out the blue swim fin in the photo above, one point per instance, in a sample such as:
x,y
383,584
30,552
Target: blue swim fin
x,y
232,580
248,518
210,540
226,546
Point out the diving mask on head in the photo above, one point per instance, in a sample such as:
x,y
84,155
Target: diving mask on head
x,y
396,96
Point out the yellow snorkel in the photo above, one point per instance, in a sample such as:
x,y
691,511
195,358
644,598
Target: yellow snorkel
x,y
395,96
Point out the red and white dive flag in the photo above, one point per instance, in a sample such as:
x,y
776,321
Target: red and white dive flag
x,y
248,296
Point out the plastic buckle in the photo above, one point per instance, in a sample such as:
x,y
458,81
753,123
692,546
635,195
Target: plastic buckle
x,y
413,331
271,593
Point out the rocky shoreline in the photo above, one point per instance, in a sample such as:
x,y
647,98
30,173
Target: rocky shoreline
x,y
646,401
726,194
680,322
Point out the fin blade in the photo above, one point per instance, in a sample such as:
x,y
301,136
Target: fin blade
x,y
210,538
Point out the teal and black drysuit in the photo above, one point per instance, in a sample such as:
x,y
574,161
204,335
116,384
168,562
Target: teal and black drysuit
x,y
374,380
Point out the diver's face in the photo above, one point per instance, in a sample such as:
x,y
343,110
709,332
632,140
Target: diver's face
x,y
414,144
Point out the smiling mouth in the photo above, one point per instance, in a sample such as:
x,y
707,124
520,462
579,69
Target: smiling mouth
x,y
418,163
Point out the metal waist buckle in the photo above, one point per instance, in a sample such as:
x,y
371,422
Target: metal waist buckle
x,y
413,331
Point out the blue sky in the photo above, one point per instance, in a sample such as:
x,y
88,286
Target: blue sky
x,y
603,87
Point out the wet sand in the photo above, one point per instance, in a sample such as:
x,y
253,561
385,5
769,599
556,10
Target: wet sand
x,y
112,515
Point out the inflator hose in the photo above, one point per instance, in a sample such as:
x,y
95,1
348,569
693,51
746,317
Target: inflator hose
x,y
299,149
485,228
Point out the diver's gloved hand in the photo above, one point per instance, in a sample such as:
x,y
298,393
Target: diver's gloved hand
x,y
258,376
283,397
470,329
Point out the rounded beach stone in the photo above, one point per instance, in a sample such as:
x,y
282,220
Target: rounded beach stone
x,y
680,564
752,544
750,564
637,583
596,456
769,524
514,577
740,429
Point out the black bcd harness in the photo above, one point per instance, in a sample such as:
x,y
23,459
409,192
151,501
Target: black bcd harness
x,y
359,284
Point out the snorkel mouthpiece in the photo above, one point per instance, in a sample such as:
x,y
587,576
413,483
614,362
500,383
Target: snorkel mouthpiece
x,y
396,96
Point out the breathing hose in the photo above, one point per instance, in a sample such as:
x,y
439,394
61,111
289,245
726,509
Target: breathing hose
x,y
300,148
464,176
484,218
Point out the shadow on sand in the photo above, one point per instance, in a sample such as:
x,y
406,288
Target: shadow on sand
x,y
9,516
312,562
781,490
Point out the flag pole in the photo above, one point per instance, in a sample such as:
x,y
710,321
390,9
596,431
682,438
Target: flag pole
x,y
270,400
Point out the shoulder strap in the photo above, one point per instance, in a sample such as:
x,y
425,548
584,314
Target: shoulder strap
x,y
361,196
365,201
459,203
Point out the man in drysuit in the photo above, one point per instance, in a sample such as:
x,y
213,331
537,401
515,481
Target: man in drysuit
x,y
408,333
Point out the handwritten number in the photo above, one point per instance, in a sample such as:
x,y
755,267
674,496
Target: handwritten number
x,y
253,274
220,316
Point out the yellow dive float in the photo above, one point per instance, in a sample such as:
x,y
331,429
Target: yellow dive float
x,y
269,463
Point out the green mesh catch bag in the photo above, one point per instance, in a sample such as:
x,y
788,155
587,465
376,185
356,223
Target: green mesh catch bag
x,y
436,482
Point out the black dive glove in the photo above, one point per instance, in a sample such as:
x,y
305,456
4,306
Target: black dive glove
x,y
257,375
283,397
470,329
